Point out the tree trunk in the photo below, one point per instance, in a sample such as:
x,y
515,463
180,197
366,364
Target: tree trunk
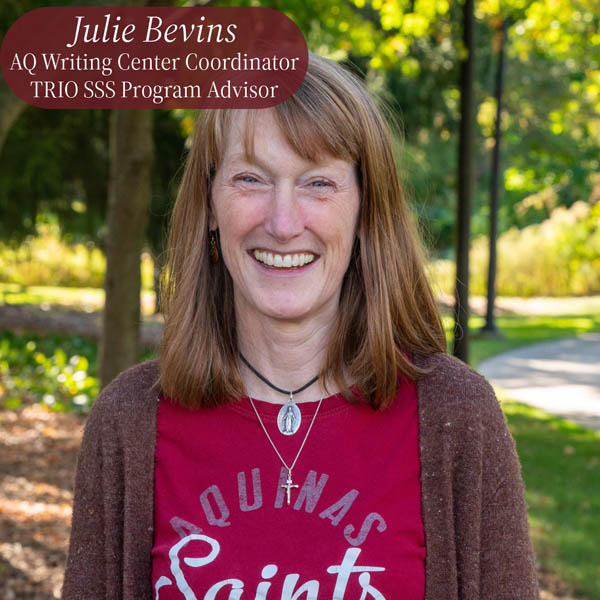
x,y
490,324
465,185
11,106
131,155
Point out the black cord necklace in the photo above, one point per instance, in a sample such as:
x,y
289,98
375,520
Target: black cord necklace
x,y
273,386
289,417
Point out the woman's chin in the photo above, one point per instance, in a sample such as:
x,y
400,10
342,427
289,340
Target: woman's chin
x,y
287,313
295,304
284,309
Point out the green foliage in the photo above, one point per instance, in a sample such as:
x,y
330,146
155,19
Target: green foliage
x,y
61,158
55,162
561,470
551,117
46,260
558,257
85,300
13,9
552,101
59,371
380,31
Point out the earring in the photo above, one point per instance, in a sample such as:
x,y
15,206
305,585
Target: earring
x,y
213,247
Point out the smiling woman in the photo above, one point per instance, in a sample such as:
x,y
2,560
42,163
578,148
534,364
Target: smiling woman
x,y
304,432
273,208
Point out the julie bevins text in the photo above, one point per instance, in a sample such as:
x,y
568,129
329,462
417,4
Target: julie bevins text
x,y
111,30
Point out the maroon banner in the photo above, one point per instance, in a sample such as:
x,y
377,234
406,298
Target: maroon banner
x,y
163,57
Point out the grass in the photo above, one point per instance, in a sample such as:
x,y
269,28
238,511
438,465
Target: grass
x,y
520,330
561,468
85,299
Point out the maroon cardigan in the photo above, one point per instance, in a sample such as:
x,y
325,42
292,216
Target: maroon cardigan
x,y
474,511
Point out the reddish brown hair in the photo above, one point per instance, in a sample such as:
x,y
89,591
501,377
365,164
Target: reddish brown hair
x,y
387,310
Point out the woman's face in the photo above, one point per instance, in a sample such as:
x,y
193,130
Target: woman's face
x,y
286,226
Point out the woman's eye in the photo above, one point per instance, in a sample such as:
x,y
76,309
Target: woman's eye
x,y
320,183
246,178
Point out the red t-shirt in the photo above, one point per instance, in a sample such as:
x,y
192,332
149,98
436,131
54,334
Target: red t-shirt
x,y
353,528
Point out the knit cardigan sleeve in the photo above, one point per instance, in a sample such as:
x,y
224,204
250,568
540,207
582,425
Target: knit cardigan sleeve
x,y
506,556
474,510
85,574
111,532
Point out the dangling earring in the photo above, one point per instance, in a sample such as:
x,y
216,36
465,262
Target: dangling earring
x,y
213,247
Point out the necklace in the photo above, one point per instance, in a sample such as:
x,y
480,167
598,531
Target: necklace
x,y
289,417
288,484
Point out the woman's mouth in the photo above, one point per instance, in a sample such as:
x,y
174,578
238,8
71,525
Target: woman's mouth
x,y
283,261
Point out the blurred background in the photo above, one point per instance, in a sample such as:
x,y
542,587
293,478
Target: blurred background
x,y
499,152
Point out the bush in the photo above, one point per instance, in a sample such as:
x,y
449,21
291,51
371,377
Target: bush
x,y
46,260
558,257
59,371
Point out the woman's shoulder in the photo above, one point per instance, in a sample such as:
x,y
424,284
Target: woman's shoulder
x,y
443,368
452,388
129,396
140,378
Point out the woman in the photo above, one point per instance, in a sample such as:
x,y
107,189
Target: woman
x,y
303,435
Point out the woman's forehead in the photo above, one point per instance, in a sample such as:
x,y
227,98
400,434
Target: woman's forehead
x,y
300,134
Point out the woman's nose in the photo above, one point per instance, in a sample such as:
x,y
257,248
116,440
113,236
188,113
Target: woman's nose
x,y
284,219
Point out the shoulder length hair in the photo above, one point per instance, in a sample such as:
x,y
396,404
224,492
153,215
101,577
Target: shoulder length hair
x,y
387,310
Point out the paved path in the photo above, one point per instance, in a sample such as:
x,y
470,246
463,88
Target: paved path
x,y
561,377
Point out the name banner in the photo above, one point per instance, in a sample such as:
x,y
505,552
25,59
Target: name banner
x,y
162,57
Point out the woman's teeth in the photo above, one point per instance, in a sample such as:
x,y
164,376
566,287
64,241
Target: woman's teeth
x,y
283,261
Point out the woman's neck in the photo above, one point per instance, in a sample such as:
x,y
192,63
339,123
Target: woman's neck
x,y
287,354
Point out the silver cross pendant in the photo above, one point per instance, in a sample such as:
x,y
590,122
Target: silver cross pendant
x,y
288,485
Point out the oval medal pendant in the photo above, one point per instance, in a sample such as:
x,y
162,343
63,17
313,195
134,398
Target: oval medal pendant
x,y
289,418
